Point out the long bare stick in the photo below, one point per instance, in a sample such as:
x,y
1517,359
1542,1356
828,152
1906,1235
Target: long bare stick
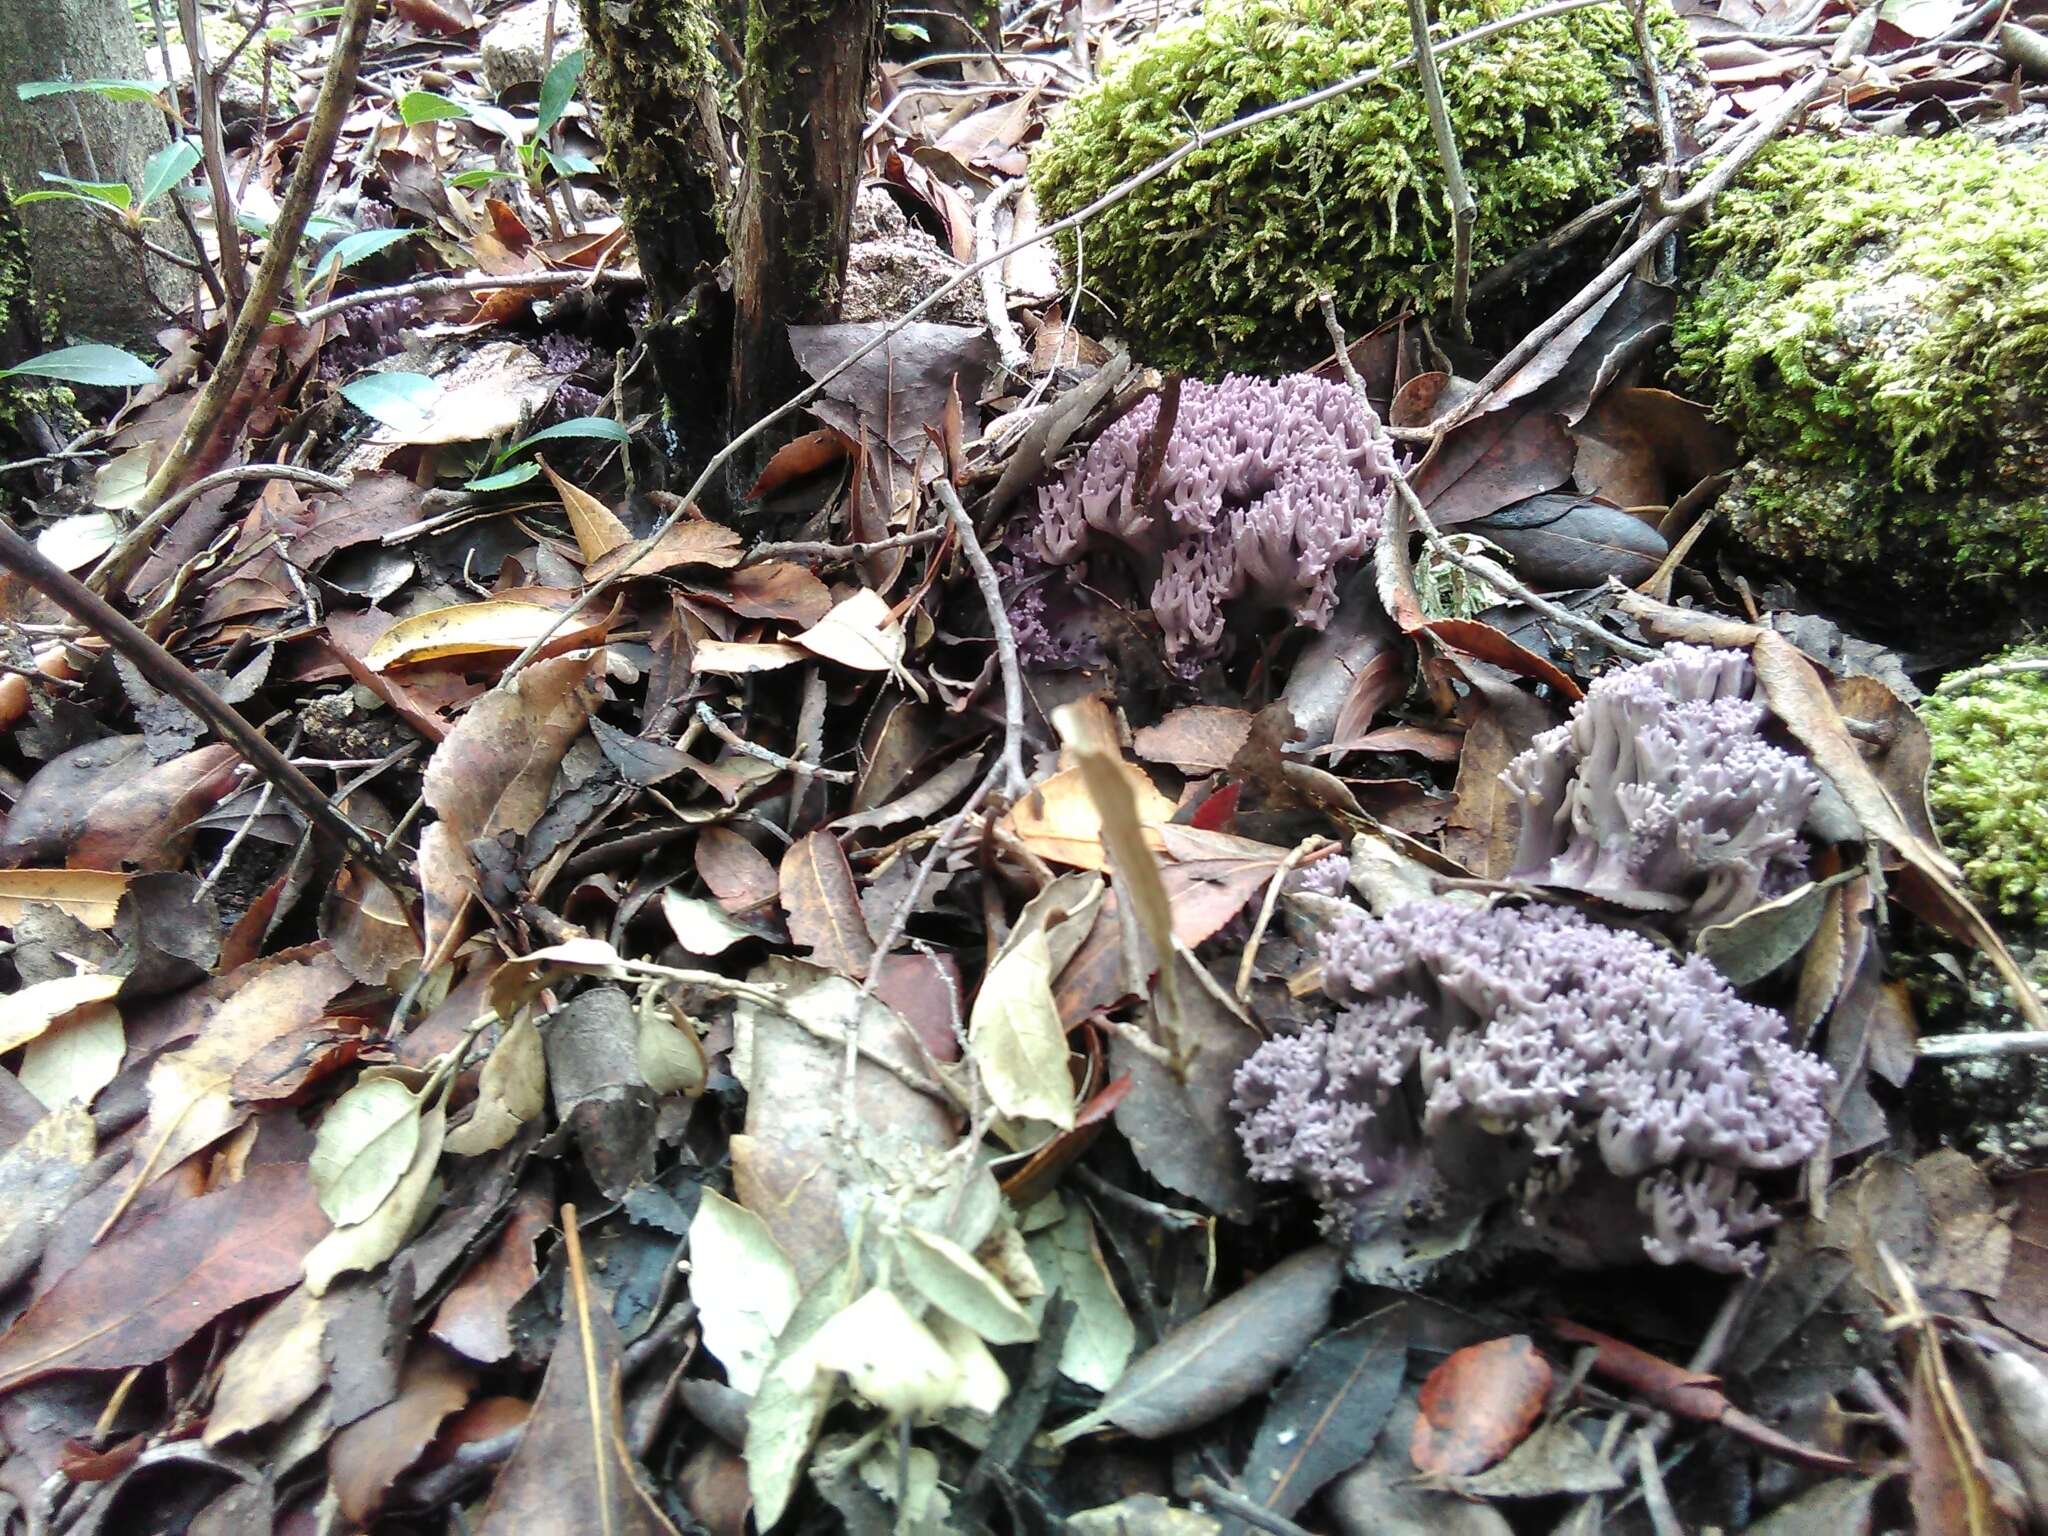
x,y
1194,142
234,275
115,565
253,318
1463,210
480,282
1014,778
166,672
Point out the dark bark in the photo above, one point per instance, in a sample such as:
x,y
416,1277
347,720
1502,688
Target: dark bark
x,y
803,102
728,274
654,66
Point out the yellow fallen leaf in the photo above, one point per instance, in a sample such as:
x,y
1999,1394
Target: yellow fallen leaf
x,y
90,895
470,629
598,532
34,1009
1058,820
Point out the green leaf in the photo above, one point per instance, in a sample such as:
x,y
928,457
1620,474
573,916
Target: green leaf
x,y
59,197
467,180
365,1143
93,362
504,480
908,32
416,107
360,246
578,426
113,90
570,164
167,167
400,400
559,89
115,194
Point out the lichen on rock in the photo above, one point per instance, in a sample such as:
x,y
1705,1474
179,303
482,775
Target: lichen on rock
x,y
1218,262
1873,320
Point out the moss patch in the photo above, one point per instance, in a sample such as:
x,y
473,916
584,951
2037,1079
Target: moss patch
x,y
1881,306
1989,786
1217,262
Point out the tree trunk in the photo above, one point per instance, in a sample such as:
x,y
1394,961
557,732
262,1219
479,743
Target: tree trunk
x,y
732,264
93,278
654,65
803,102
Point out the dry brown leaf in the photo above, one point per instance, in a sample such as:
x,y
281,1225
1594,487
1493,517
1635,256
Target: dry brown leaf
x,y
1059,822
367,1457
494,627
689,541
1479,1405
90,895
823,905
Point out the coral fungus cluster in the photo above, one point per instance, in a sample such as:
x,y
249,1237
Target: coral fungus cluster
x,y
1661,792
1265,490
1572,1042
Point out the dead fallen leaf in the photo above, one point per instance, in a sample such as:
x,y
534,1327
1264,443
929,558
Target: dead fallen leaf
x,y
1479,1405
823,906
598,530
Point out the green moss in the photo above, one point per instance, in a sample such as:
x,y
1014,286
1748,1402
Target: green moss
x,y
1832,523
1219,261
1881,306
1989,785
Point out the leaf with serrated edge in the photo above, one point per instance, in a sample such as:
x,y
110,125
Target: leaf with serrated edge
x,y
954,1281
511,1090
90,895
1016,1039
744,1286
365,1143
370,1242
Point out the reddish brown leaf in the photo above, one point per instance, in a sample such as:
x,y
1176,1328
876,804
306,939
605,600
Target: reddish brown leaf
x,y
1492,462
1489,644
823,906
1198,738
799,458
1647,447
447,17
147,822
737,872
82,1464
775,589
475,1319
139,1296
1479,1405
692,541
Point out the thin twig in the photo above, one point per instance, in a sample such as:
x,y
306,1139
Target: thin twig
x,y
1445,550
1151,1210
1656,1497
171,676
1463,210
739,743
2016,1042
1295,855
995,300
286,230
118,562
1195,142
1015,779
1990,669
1673,214
478,282
1531,256
838,554
1251,1512
234,274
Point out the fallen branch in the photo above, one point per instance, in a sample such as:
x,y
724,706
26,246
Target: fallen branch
x,y
739,743
166,673
254,317
116,564
1464,212
838,554
1015,779
479,282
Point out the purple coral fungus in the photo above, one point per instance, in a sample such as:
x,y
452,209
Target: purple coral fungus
x,y
1266,488
1662,793
1560,1036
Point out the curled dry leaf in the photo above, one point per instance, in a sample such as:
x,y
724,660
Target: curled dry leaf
x,y
497,626
598,532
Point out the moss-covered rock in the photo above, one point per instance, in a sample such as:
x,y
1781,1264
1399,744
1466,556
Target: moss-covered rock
x,y
1989,784
1873,320
1218,262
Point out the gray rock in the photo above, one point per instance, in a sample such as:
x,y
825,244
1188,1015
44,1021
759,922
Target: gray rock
x,y
511,46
